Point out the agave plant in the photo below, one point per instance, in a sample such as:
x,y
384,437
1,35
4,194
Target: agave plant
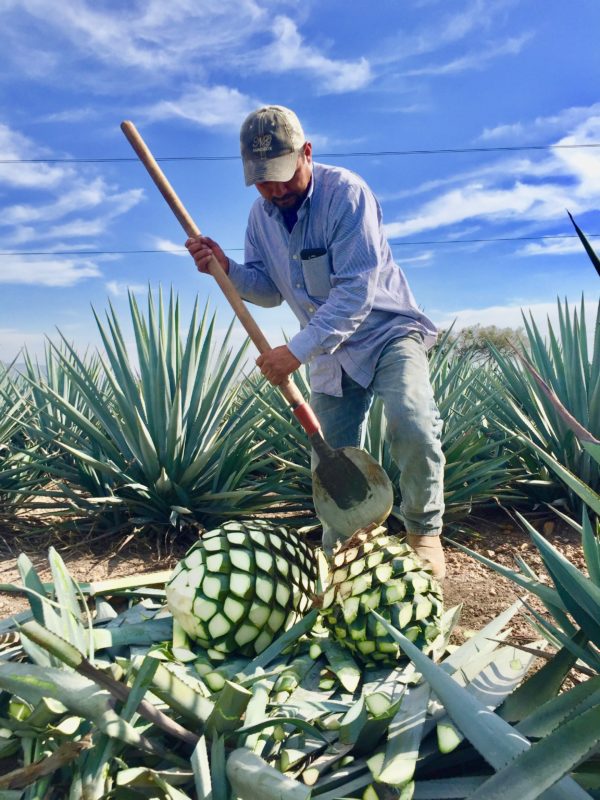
x,y
101,702
586,245
302,719
166,441
566,365
18,477
573,605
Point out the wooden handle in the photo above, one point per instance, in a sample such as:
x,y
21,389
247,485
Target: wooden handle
x,y
289,389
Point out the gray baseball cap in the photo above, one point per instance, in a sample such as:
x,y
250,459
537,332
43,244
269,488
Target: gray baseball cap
x,y
271,139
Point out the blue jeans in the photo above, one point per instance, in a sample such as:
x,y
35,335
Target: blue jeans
x,y
413,431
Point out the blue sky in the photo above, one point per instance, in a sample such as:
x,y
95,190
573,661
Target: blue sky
x,y
364,77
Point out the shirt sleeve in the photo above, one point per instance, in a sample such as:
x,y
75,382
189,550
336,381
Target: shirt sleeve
x,y
251,278
355,251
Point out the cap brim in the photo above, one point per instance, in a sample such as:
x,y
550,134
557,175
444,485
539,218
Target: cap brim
x,y
279,169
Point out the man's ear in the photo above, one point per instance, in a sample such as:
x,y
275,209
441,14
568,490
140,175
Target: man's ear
x,y
307,150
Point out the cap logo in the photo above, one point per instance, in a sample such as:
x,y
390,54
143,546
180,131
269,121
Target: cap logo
x,y
261,144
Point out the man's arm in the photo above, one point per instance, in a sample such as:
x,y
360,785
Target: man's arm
x,y
275,364
250,279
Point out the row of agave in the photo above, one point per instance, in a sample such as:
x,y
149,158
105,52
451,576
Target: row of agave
x,y
103,696
172,434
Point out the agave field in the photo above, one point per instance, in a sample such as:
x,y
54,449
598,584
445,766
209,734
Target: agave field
x,y
256,669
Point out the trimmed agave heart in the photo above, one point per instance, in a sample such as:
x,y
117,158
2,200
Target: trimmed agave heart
x,y
376,572
242,585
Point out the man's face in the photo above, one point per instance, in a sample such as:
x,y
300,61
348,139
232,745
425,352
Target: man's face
x,y
289,195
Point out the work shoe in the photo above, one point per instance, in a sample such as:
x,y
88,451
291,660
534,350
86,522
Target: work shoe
x,y
429,548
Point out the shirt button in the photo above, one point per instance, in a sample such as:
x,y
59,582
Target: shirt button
x,y
311,309
295,258
298,286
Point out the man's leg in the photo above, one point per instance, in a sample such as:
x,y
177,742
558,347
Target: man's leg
x,y
414,428
341,421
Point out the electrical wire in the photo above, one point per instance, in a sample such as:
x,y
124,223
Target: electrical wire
x,y
356,154
172,251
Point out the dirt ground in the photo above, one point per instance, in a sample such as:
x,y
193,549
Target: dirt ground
x,y
482,592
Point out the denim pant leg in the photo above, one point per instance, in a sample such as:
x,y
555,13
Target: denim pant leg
x,y
413,431
341,421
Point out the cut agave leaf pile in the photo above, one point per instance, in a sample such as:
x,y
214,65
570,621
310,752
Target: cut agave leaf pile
x,y
91,708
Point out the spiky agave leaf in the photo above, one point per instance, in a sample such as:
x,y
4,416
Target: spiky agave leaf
x,y
241,585
374,571
18,476
163,441
565,370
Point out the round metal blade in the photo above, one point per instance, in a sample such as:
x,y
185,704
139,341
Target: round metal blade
x,y
374,506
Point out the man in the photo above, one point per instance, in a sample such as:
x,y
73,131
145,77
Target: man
x,y
315,239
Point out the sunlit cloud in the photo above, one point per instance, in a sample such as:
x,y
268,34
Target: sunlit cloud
x,y
121,289
472,61
551,247
415,262
210,107
160,39
509,315
173,248
48,271
522,191
450,28
289,52
540,127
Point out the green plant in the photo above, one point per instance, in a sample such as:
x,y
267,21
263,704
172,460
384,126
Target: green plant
x,y
241,585
165,442
573,605
104,703
372,571
573,373
587,246
18,477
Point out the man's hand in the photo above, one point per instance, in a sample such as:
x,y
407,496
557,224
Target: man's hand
x,y
277,364
201,249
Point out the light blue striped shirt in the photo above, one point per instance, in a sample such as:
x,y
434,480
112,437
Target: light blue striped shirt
x,y
351,300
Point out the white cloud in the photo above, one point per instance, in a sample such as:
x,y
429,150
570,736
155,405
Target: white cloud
x,y
119,289
471,61
288,52
173,248
82,195
16,147
182,37
551,247
69,115
210,107
47,271
152,36
415,262
522,191
510,315
551,125
450,29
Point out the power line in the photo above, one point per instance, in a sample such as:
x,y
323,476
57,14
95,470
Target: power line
x,y
240,249
350,154
498,239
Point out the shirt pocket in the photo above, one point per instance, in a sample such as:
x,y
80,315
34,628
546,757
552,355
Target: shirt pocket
x,y
316,271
